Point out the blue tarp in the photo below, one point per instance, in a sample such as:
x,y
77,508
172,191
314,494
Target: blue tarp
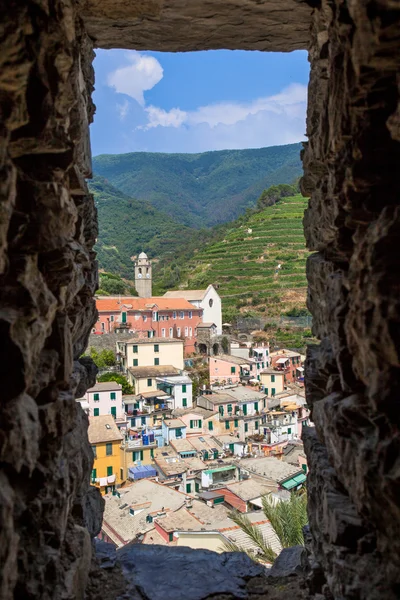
x,y
141,472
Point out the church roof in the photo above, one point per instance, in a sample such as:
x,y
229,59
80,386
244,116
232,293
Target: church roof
x,y
143,255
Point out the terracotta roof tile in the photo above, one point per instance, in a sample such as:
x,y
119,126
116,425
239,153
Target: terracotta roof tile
x,y
120,303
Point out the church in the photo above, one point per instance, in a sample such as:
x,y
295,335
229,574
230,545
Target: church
x,y
177,314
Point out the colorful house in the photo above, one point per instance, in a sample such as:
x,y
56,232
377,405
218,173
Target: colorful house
x,y
149,317
105,439
144,379
273,381
226,369
105,399
173,429
178,388
150,352
289,363
137,451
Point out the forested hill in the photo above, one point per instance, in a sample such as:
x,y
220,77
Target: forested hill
x,y
128,227
200,190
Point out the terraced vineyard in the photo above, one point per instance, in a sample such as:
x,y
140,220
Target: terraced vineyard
x,y
260,264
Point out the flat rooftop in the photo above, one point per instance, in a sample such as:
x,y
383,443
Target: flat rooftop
x,y
153,371
269,467
106,386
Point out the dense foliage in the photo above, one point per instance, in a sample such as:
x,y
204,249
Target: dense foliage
x,y
128,227
113,285
198,190
102,359
275,193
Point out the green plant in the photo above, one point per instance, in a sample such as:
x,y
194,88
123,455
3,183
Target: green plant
x,y
225,345
287,519
102,359
127,388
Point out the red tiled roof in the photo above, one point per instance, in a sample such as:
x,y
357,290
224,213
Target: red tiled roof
x,y
118,304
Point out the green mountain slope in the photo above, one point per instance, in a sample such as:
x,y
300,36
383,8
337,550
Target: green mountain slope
x,y
128,227
259,265
201,190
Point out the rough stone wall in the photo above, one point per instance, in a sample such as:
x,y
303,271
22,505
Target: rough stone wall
x,y
351,166
47,279
182,25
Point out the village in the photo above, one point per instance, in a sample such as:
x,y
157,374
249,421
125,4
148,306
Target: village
x,y
173,459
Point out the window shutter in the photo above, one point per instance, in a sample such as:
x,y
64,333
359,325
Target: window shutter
x,y
200,423
210,425
226,424
191,424
141,455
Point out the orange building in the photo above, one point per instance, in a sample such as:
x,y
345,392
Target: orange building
x,y
149,317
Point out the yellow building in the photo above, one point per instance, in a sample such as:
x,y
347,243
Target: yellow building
x,y
273,381
105,439
135,453
151,352
144,379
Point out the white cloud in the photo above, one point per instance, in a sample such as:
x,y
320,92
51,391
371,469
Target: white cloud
x,y
163,118
290,103
123,110
141,75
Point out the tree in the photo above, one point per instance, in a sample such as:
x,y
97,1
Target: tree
x,y
105,358
126,386
287,519
225,345
112,286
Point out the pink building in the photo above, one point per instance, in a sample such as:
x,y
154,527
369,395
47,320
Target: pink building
x,y
225,369
150,317
289,363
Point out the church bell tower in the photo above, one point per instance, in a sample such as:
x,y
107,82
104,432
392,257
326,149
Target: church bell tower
x,y
143,276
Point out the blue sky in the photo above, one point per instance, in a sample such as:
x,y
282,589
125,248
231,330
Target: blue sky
x,y
197,101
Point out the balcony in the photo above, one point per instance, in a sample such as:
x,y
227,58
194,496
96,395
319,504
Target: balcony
x,y
138,444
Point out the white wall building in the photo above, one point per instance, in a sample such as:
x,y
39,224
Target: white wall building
x,y
209,300
179,388
105,399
